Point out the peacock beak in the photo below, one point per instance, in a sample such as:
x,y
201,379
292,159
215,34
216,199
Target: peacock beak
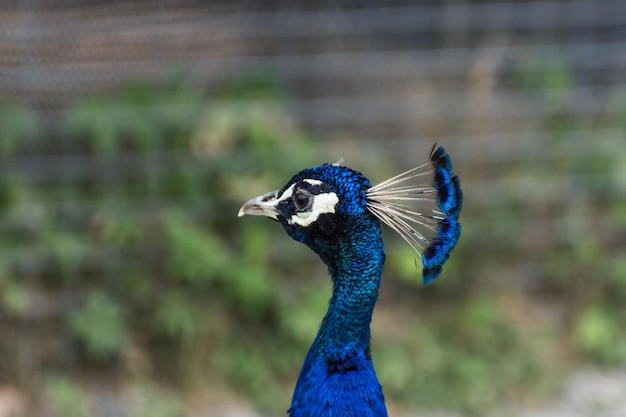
x,y
264,205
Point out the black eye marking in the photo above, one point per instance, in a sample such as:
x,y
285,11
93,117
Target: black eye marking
x,y
302,199
326,224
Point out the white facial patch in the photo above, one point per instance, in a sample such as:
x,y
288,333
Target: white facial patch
x,y
322,204
287,194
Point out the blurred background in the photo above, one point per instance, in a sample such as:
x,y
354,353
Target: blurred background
x,y
132,132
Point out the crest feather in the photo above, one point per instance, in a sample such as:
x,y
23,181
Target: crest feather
x,y
422,205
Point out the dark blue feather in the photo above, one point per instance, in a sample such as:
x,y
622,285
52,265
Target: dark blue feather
x,y
449,201
430,274
440,158
456,208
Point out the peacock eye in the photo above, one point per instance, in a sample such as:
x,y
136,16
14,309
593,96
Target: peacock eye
x,y
302,199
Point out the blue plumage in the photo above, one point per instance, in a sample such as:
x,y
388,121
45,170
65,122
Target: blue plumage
x,y
336,212
449,194
449,201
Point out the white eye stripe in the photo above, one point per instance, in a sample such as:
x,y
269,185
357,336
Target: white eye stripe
x,y
286,195
322,204
289,191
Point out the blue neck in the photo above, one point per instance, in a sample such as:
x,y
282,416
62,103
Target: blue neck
x,y
338,377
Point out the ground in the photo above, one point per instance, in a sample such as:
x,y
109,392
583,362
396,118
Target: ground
x,y
588,393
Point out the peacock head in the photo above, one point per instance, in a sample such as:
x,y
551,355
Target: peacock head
x,y
326,205
317,206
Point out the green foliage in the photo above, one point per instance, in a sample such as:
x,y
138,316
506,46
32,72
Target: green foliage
x,y
598,333
14,296
177,316
251,369
195,256
138,230
66,397
99,324
303,320
457,362
547,74
20,127
138,115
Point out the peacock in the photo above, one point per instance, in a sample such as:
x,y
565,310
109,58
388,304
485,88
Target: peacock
x,y
336,212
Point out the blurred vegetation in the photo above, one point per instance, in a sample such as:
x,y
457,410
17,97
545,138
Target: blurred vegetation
x,y
122,256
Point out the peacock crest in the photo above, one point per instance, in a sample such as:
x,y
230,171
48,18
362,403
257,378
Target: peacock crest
x,y
433,185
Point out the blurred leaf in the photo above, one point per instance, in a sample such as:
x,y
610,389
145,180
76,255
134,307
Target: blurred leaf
x,y
66,397
595,330
121,230
14,297
94,121
19,127
254,86
195,256
394,367
405,262
178,316
99,324
249,285
303,320
69,249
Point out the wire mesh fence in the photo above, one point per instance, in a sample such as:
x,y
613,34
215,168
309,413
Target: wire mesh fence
x,y
485,78
528,97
